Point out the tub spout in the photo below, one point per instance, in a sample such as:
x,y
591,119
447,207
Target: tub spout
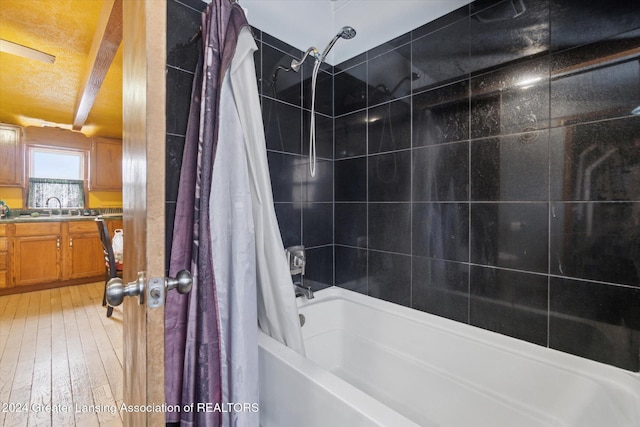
x,y
303,291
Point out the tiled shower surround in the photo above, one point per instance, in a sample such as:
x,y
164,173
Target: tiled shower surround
x,y
484,167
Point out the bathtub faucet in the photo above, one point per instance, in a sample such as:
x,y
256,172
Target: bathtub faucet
x,y
303,291
297,259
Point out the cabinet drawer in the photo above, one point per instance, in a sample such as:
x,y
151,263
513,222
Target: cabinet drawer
x,y
4,257
3,229
83,227
4,244
39,229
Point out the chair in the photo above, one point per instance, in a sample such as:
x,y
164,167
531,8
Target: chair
x,y
111,267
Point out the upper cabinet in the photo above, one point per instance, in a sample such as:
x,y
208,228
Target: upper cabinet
x,y
106,165
11,156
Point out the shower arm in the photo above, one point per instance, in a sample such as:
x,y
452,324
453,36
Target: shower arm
x,y
295,64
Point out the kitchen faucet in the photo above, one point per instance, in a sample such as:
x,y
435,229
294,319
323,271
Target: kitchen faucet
x,y
59,204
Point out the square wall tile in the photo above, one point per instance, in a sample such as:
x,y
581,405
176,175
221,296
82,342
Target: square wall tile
x,y
441,56
441,115
510,235
441,230
317,227
287,173
514,167
389,75
596,321
319,268
580,22
289,217
509,302
596,161
581,93
351,180
441,172
514,99
441,288
351,224
389,126
390,277
351,269
507,31
350,90
389,177
390,227
597,241
282,126
351,135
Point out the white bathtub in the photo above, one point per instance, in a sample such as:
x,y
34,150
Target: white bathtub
x,y
373,363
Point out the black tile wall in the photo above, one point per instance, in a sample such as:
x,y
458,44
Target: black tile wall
x,y
304,204
500,180
183,24
484,167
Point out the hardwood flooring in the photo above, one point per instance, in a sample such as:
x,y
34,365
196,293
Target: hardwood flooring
x,y
60,358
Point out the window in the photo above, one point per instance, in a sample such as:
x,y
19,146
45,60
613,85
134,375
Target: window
x,y
56,173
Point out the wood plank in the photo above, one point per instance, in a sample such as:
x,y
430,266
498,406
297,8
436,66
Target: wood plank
x,y
8,307
80,385
42,332
106,42
61,395
41,381
20,389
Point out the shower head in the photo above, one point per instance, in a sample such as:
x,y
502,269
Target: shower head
x,y
347,33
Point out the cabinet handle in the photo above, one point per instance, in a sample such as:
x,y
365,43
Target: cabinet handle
x,y
58,243
71,242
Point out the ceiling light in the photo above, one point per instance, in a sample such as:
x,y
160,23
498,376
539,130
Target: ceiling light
x,y
25,52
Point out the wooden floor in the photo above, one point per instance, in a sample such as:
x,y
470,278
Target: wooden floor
x,y
60,359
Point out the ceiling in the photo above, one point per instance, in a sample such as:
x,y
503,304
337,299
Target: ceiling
x,y
34,92
305,23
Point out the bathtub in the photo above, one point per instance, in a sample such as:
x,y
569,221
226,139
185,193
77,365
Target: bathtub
x,y
373,363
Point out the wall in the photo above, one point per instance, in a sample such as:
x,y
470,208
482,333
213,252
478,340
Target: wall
x,y
487,169
303,204
481,168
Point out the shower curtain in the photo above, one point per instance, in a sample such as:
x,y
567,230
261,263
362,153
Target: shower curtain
x,y
226,232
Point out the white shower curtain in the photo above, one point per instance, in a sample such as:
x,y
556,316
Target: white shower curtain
x,y
248,257
277,310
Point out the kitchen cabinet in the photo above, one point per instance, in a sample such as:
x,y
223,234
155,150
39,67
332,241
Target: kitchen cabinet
x,y
106,165
41,253
4,256
11,156
84,251
36,256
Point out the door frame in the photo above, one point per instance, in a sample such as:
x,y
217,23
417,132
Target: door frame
x,y
143,195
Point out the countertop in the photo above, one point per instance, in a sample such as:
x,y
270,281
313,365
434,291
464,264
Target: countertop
x,y
57,218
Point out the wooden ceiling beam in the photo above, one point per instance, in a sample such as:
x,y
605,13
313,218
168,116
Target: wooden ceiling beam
x,y
106,42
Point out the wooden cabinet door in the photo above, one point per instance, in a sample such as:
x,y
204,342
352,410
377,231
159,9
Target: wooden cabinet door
x,y
106,165
85,256
11,155
36,259
83,251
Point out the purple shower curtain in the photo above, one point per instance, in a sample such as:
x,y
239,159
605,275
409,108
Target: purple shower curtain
x,y
192,341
